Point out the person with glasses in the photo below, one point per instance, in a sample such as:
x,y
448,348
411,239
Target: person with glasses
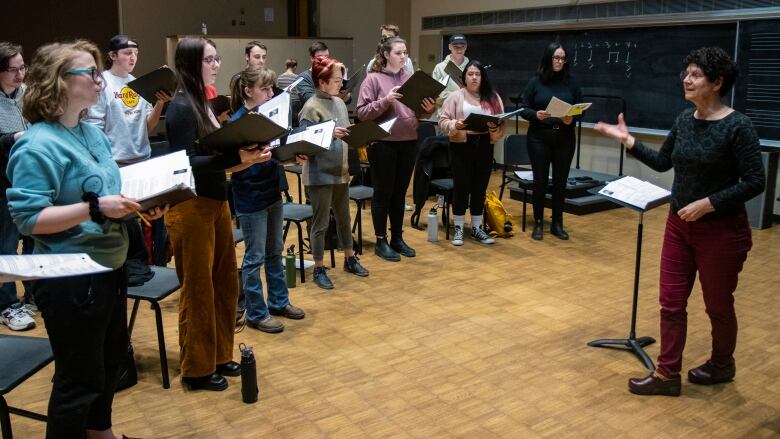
x,y
17,316
551,140
471,151
326,175
258,202
201,228
714,151
65,193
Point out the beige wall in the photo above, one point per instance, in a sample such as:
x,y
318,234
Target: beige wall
x,y
358,19
150,21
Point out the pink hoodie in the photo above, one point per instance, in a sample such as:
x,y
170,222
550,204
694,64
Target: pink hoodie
x,y
373,104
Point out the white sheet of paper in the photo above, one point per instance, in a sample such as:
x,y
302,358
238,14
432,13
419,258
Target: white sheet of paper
x,y
277,109
28,267
445,80
320,134
525,175
150,177
634,191
387,126
293,84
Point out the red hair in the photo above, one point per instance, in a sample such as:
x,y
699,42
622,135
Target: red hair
x,y
322,69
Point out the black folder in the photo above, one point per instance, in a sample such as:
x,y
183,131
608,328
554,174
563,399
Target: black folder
x,y
220,104
250,129
149,84
353,81
478,122
454,72
171,196
417,88
364,133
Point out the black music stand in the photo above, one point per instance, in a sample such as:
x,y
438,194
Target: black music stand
x,y
517,100
632,343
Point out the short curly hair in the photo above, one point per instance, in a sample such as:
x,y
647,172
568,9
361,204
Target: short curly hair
x,y
715,63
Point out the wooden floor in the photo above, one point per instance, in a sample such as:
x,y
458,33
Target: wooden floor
x,y
476,341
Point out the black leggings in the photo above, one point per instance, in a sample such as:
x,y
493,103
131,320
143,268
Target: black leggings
x,y
86,319
550,146
392,164
471,163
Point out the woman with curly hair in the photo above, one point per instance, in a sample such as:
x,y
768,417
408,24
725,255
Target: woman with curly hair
x,y
714,151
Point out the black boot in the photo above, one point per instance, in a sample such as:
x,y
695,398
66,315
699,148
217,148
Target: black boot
x,y
557,229
384,251
538,232
398,244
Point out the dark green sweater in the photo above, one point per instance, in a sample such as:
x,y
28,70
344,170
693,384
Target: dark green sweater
x,y
719,159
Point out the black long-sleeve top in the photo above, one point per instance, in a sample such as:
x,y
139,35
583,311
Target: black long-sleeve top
x,y
537,96
719,159
208,170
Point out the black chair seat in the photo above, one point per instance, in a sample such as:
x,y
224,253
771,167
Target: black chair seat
x,y
361,193
162,285
294,169
297,212
22,357
443,183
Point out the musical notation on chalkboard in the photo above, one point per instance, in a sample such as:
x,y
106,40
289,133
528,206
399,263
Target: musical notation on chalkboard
x,y
616,54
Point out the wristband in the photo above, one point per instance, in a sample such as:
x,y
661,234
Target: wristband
x,y
94,207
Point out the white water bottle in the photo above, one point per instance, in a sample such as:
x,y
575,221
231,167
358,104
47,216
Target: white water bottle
x,y
433,225
203,29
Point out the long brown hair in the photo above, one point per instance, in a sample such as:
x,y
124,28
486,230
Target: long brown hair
x,y
189,70
386,45
249,77
46,97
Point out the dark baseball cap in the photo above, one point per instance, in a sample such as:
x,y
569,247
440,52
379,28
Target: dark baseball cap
x,y
119,42
458,39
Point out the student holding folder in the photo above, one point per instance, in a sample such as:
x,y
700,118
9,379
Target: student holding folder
x,y
326,175
550,139
392,159
201,228
471,152
65,194
257,198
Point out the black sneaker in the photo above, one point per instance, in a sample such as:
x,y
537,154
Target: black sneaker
x,y
400,246
352,265
321,278
384,251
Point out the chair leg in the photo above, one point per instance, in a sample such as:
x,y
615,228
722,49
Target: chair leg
x,y
300,250
525,196
332,258
5,419
161,345
133,314
300,189
446,218
503,183
360,227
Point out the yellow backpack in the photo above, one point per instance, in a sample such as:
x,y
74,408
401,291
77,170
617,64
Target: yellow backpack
x,y
497,220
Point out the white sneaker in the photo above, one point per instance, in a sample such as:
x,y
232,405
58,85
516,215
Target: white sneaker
x,y
480,235
408,207
16,318
30,309
458,238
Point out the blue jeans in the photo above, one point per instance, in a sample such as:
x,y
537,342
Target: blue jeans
x,y
263,244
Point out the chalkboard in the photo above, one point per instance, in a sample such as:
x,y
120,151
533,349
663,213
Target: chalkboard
x,y
757,93
641,65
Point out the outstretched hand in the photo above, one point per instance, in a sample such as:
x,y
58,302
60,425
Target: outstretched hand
x,y
618,131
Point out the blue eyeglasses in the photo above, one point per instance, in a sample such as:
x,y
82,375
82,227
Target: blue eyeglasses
x,y
94,73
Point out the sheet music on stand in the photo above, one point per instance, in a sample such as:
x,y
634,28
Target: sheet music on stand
x,y
30,267
634,193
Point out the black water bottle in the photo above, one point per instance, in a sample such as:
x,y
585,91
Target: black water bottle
x,y
249,389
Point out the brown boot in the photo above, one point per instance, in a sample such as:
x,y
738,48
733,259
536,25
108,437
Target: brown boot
x,y
655,384
708,374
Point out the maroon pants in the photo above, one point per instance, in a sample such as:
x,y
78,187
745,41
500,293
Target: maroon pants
x,y
716,248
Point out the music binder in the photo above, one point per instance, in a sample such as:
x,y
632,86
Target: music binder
x,y
368,131
353,81
220,104
559,108
149,84
250,129
310,140
454,72
159,181
478,122
420,86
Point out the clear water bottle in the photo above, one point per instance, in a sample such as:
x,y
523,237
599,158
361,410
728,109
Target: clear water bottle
x,y
203,29
249,388
433,225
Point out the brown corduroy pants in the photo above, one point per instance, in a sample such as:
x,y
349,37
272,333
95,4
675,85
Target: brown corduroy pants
x,y
201,234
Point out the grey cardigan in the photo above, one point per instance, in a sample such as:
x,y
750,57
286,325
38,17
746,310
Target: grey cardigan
x,y
330,167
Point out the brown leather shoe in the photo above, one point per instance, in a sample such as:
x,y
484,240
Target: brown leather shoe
x,y
269,325
709,373
655,384
289,311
